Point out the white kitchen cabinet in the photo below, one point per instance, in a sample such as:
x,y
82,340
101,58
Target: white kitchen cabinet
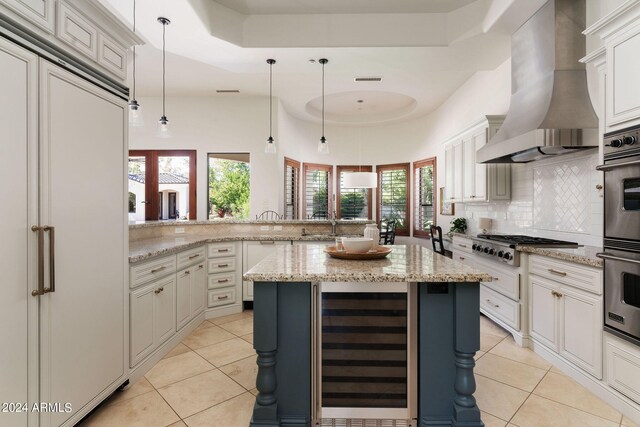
x,y
183,297
55,123
458,170
198,285
448,173
564,318
622,361
252,253
38,12
164,311
224,278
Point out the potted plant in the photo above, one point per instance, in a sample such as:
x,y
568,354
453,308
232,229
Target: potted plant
x,y
458,225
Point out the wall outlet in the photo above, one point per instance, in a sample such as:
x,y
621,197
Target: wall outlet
x,y
264,228
179,230
277,228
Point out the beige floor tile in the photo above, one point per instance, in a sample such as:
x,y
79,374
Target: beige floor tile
x,y
540,412
487,326
248,338
565,390
227,351
205,324
497,399
556,370
509,349
254,391
177,368
510,372
141,386
148,409
235,412
243,371
239,327
626,422
231,318
207,336
198,393
179,349
479,354
178,424
491,421
488,341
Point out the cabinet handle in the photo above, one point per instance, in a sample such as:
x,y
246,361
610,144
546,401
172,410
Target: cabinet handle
x,y
462,258
194,256
200,267
473,197
52,258
223,265
223,280
157,291
461,245
155,270
267,242
495,279
556,272
495,305
187,272
224,297
40,290
223,250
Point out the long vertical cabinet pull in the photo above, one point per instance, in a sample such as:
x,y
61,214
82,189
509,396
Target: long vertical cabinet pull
x,y
315,351
40,290
52,258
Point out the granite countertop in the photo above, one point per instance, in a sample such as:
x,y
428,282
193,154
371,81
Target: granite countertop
x,y
179,223
140,250
583,255
407,263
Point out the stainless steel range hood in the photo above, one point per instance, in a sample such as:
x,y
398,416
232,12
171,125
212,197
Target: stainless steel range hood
x,y
550,111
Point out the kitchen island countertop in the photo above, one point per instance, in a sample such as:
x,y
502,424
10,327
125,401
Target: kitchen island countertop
x,y
585,255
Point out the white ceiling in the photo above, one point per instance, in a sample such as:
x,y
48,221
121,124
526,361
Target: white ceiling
x,y
421,68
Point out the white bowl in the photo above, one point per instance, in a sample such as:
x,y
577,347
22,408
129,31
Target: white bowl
x,y
357,245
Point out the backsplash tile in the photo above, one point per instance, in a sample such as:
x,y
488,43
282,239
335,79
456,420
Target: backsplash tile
x,y
555,198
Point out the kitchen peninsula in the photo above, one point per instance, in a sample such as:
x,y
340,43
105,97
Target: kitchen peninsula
x,y
390,339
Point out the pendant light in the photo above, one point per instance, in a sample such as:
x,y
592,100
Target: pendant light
x,y
163,123
360,179
270,145
323,145
135,113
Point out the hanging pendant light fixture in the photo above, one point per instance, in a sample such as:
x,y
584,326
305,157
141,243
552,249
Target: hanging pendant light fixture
x,y
323,145
270,145
163,123
135,113
360,179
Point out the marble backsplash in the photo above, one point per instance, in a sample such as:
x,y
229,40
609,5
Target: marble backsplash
x,y
555,198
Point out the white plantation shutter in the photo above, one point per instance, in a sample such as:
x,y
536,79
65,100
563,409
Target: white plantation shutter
x,y
317,191
354,203
393,195
424,199
291,189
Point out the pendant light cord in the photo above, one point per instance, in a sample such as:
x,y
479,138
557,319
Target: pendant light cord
x,y
134,51
270,97
323,99
164,66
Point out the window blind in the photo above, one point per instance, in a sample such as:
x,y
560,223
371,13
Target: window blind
x,y
353,202
317,197
393,194
424,196
291,189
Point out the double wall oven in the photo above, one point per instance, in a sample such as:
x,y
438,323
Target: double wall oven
x,y
622,233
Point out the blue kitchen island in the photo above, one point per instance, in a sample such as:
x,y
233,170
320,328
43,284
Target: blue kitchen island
x,y
341,341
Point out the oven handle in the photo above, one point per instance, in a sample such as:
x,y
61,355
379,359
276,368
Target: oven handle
x,y
617,165
605,255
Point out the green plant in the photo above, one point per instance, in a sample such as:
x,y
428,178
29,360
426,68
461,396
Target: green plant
x,y
458,225
229,188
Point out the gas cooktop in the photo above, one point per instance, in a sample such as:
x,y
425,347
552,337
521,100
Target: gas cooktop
x,y
519,239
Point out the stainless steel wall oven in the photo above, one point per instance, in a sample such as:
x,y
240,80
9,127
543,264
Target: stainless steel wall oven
x,y
622,233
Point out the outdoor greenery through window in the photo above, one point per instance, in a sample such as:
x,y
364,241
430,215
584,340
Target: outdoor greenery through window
x,y
291,189
353,203
229,187
317,191
424,173
393,196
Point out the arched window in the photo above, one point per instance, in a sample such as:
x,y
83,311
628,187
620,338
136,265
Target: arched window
x,y
132,202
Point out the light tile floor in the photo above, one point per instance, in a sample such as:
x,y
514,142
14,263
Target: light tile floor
x,y
209,380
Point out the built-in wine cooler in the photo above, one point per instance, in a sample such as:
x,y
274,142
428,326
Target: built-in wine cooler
x,y
364,372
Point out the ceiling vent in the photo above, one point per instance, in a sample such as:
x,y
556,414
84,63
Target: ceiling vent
x,y
227,91
367,79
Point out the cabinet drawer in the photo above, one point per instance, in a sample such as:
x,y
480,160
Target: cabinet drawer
x,y
500,306
77,31
217,250
148,271
504,281
462,244
221,265
464,258
222,297
578,276
222,280
623,367
112,56
190,257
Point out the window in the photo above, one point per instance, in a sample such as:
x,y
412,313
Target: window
x,y
393,196
229,185
291,189
163,184
353,203
317,191
424,174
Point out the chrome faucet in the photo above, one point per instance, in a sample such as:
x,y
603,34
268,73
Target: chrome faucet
x,y
334,223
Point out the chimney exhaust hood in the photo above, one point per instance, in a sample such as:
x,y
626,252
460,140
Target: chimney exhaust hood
x,y
550,112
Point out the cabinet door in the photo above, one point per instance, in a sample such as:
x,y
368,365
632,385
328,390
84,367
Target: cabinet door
x,y
142,327
623,68
18,163
183,298
544,312
83,131
198,285
581,330
39,12
448,173
468,161
480,183
253,253
164,310
458,171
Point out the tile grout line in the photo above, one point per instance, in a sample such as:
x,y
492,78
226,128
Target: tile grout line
x,y
217,404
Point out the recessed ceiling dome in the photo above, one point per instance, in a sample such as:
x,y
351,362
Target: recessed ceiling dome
x,y
362,106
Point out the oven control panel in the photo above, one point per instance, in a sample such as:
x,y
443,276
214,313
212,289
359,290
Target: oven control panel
x,y
499,253
622,143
